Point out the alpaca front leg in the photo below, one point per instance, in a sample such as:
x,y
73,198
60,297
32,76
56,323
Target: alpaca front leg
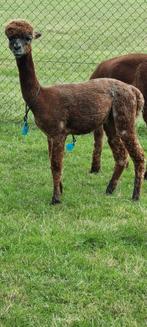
x,y
56,167
50,146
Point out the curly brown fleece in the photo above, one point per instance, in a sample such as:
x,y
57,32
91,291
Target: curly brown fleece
x,y
131,69
81,108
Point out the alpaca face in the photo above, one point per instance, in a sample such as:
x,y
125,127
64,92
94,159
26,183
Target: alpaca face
x,y
20,34
20,46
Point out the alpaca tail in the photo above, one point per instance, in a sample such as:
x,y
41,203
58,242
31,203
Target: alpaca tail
x,y
139,99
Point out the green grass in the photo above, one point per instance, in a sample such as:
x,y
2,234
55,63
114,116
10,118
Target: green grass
x,y
82,263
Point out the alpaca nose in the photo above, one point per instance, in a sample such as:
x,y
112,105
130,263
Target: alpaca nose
x,y
17,45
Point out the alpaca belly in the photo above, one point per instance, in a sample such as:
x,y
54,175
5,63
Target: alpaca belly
x,y
78,127
88,123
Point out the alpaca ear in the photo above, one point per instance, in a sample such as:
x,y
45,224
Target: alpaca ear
x,y
36,35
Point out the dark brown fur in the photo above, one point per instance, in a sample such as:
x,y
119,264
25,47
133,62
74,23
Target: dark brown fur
x,y
81,108
131,69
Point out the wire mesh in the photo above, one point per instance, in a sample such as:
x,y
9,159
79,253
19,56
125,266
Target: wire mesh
x,y
76,35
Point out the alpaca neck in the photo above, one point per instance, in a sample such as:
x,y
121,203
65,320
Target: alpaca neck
x,y
28,80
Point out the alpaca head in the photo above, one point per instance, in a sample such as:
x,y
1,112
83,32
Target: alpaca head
x,y
20,34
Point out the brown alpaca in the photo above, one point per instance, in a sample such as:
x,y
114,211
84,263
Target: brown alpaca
x,y
81,108
131,69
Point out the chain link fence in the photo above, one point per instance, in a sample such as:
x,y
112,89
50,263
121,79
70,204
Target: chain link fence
x,y
76,35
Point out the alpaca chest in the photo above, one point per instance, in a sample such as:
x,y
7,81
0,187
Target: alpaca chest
x,y
51,127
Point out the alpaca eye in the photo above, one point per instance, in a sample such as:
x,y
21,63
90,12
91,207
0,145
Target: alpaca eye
x,y
11,39
28,39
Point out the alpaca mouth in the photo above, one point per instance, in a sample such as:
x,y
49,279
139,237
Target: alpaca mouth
x,y
18,53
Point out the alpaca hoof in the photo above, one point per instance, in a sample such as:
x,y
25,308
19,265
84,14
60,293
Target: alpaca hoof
x,y
135,197
94,170
109,189
55,201
145,175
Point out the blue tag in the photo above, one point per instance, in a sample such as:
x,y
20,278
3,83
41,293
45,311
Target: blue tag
x,y
25,128
70,146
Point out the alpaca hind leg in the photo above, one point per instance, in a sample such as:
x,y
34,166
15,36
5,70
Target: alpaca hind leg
x,y
124,113
137,155
125,126
98,143
120,155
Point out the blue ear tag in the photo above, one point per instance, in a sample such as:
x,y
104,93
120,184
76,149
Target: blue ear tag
x,y
25,128
70,146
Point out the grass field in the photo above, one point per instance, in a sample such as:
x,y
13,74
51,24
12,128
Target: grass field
x,y
82,263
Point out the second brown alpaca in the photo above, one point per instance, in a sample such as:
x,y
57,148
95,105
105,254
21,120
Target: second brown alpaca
x,y
131,69
78,109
